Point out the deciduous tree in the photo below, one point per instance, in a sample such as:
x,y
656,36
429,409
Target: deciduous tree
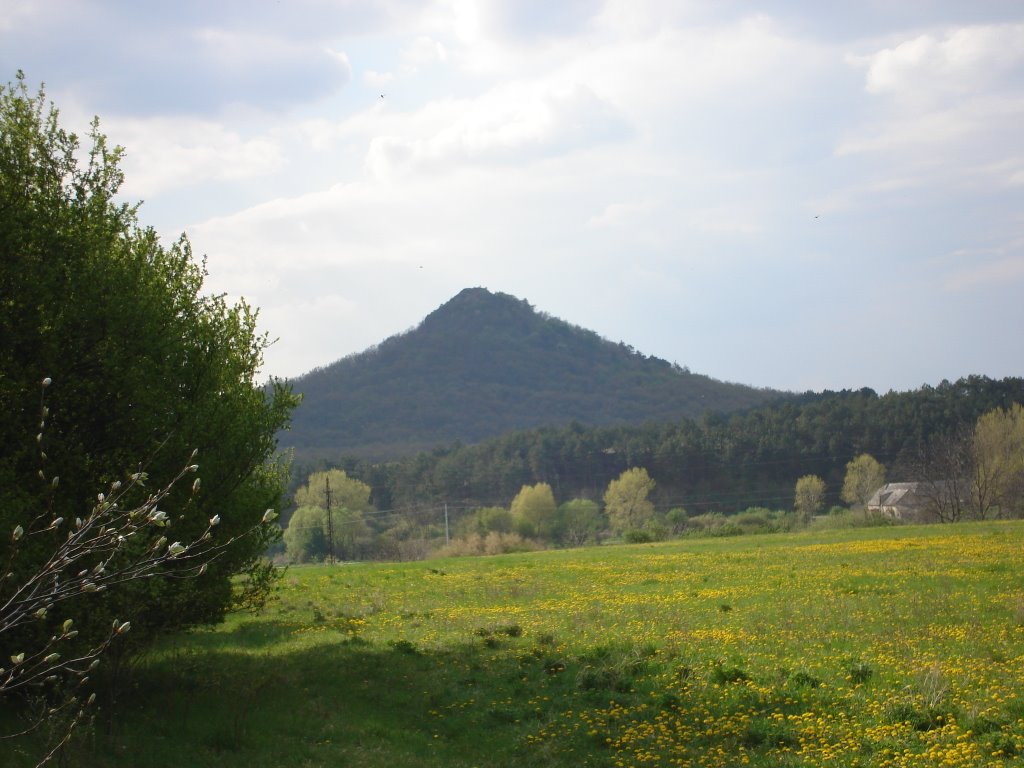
x,y
810,496
581,521
998,450
343,534
145,368
305,538
626,502
864,476
535,506
346,491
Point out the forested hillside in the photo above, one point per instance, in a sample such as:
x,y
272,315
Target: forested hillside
x,y
485,364
714,463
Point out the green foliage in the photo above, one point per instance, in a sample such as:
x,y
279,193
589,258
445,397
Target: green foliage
x,y
486,520
864,476
716,464
676,519
145,368
998,452
638,536
810,496
580,522
493,543
534,510
626,502
345,534
305,538
346,491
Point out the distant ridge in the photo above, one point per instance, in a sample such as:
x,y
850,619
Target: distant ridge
x,y
484,364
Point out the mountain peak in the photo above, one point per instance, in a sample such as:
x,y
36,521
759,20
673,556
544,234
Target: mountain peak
x,y
483,364
479,304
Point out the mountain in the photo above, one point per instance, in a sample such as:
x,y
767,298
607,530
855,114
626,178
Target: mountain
x,y
484,364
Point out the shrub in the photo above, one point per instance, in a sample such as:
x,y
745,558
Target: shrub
x,y
146,367
752,521
638,536
494,543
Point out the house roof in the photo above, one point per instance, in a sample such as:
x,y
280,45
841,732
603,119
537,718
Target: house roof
x,y
892,494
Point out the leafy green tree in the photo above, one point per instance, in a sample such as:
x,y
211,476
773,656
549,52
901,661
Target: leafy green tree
x,y
305,538
864,476
486,520
998,458
675,520
626,502
495,519
580,521
810,496
351,533
145,369
535,507
349,503
347,492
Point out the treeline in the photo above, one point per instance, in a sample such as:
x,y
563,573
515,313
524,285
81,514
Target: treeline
x,y
715,463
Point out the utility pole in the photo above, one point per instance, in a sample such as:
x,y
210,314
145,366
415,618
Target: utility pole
x,y
330,523
446,539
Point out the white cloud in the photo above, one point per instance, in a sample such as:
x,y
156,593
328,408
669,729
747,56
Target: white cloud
x,y
378,79
423,50
192,58
507,125
166,153
961,61
914,132
622,214
999,265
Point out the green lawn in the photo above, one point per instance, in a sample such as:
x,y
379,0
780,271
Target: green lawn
x,y
875,647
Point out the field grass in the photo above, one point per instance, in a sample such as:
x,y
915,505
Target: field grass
x,y
875,647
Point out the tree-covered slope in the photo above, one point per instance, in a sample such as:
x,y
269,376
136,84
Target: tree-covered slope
x,y
484,364
712,464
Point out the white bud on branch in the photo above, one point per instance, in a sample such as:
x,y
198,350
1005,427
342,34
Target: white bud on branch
x,y
269,516
175,549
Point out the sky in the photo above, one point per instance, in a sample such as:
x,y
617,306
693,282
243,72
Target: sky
x,y
787,194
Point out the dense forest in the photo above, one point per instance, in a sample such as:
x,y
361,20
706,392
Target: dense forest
x,y
723,463
485,364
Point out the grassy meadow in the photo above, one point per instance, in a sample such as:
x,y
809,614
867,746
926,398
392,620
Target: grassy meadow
x,y
872,647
